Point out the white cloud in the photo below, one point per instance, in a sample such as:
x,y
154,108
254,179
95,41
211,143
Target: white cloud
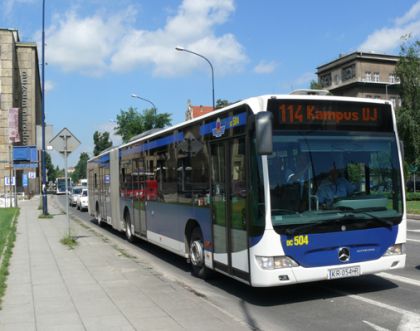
x,y
265,67
84,44
8,6
410,15
100,43
49,85
388,39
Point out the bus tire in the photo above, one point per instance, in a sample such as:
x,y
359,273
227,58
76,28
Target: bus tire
x,y
197,258
127,223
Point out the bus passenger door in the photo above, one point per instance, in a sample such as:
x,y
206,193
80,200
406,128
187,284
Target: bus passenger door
x,y
228,196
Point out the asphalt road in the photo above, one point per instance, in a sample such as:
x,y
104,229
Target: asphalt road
x,y
387,301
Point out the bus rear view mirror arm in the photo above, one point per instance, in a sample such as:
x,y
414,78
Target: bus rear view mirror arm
x,y
264,133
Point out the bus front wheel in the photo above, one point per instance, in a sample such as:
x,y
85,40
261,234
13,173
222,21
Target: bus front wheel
x,y
199,268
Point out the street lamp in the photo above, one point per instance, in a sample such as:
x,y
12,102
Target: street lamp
x,y
144,99
182,49
43,168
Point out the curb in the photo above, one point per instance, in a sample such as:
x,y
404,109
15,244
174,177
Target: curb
x,y
413,216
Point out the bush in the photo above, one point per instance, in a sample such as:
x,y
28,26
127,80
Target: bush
x,y
411,196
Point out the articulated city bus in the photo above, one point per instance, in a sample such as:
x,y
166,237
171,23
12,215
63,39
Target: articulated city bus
x,y
272,190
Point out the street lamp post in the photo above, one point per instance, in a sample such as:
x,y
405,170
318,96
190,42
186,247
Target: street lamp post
x,y
144,99
43,168
182,49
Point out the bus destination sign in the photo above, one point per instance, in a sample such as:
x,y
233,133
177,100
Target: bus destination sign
x,y
329,114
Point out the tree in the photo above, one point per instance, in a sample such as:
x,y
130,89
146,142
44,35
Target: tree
x,y
51,171
131,123
101,142
315,85
408,116
220,103
80,168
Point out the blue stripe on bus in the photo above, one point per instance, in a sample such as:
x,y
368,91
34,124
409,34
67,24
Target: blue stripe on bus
x,y
135,149
321,249
229,122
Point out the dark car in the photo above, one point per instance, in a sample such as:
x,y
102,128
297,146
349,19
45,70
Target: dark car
x,y
410,185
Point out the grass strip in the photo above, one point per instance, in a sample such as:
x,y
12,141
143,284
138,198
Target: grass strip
x,y
8,220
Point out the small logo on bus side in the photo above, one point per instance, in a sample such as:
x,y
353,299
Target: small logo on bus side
x,y
219,130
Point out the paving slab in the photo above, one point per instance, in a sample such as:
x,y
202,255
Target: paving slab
x,y
94,286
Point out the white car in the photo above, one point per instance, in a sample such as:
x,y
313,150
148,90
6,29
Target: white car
x,y
74,194
82,200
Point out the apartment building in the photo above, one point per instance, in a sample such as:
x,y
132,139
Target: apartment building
x,y
360,74
20,111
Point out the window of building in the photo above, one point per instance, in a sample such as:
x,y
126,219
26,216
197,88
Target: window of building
x,y
376,77
368,76
325,80
391,78
348,72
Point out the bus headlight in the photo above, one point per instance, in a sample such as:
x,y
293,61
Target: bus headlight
x,y
275,262
396,249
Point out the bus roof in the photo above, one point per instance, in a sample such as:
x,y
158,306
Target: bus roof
x,y
257,103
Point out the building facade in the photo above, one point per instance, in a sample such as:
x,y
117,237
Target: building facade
x,y
20,109
360,74
196,111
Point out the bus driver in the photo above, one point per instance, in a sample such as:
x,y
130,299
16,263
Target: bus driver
x,y
334,186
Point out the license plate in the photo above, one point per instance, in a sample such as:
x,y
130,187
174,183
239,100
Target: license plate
x,y
344,272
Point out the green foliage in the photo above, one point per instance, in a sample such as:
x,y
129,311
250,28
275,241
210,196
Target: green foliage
x,y
69,241
411,196
315,85
101,142
131,123
80,168
7,239
413,207
220,103
408,116
51,171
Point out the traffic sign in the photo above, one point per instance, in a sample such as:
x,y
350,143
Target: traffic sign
x,y
65,142
7,181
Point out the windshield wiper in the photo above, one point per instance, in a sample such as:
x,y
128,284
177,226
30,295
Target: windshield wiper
x,y
387,223
315,224
346,217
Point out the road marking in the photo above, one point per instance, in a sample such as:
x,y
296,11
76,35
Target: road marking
x,y
375,327
399,278
413,230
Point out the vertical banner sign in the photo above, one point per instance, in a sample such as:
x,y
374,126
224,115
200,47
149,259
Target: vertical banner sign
x,y
14,125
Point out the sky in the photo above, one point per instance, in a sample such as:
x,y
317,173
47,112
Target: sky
x,y
99,52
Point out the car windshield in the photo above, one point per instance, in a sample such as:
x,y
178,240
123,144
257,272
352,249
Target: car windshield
x,y
318,178
77,190
84,193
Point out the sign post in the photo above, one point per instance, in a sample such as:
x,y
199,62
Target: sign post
x,y
65,143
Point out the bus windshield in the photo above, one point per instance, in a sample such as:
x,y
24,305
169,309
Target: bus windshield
x,y
319,177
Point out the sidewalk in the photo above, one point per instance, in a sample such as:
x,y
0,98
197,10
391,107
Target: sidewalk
x,y
94,286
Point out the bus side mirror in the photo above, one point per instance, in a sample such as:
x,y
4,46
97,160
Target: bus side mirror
x,y
264,133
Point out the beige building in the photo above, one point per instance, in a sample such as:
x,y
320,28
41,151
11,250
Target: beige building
x,y
20,105
359,74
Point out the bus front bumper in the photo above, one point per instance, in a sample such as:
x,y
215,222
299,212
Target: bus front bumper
x,y
287,276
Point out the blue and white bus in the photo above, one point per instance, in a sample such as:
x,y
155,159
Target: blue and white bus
x,y
60,185
218,189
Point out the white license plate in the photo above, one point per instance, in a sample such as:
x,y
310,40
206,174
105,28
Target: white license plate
x,y
344,272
